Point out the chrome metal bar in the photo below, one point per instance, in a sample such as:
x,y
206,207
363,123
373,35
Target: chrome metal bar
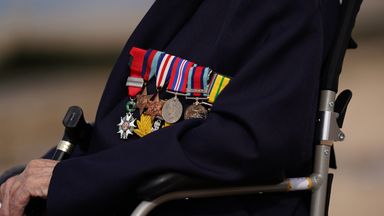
x,y
291,184
320,177
329,129
329,133
145,207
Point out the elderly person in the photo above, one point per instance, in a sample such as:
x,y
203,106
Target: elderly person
x,y
260,128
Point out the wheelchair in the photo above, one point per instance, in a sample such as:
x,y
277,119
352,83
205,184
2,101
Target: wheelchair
x,y
331,112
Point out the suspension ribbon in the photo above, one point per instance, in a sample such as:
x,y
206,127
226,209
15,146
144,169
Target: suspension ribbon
x,y
198,81
135,82
179,77
147,64
165,63
217,84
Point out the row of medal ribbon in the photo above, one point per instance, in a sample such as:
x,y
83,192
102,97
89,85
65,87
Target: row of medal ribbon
x,y
175,75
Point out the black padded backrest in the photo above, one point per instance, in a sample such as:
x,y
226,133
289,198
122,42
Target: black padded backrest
x,y
333,65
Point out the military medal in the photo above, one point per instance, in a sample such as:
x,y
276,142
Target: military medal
x,y
164,63
157,123
126,126
154,106
197,89
134,84
143,98
144,125
173,109
196,111
182,78
150,103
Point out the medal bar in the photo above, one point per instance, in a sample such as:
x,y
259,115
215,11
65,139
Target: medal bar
x,y
182,78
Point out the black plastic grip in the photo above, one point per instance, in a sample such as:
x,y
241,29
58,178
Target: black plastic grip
x,y
60,155
333,65
76,128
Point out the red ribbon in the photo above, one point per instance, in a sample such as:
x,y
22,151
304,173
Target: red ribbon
x,y
137,56
197,80
173,74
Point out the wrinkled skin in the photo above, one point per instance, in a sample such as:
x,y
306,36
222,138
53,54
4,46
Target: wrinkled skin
x,y
34,181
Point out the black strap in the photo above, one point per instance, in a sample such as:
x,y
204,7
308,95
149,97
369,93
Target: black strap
x,y
332,160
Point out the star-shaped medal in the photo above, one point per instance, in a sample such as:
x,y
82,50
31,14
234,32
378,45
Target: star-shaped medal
x,y
142,100
126,126
154,107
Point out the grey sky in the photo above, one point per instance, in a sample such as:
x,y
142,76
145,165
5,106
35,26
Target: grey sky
x,y
71,20
100,19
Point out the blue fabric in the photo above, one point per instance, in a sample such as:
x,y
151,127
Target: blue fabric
x,y
260,127
205,80
155,63
178,73
145,62
191,74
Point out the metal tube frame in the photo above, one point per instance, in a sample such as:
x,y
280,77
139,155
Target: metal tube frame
x,y
317,182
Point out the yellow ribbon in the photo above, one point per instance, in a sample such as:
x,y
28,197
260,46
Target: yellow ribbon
x,y
218,83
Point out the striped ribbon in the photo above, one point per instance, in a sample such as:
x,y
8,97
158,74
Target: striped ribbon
x,y
179,77
198,81
154,63
217,84
185,77
165,63
147,64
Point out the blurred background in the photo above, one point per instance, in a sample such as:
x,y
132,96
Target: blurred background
x,y
54,54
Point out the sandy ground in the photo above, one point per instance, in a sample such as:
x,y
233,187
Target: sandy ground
x,y
32,110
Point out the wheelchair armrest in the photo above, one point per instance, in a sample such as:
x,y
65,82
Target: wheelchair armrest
x,y
171,182
174,186
11,172
166,183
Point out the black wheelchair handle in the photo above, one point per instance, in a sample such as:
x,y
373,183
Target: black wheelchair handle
x,y
76,132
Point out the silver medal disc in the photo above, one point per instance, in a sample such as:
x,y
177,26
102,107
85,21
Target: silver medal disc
x,y
196,111
172,110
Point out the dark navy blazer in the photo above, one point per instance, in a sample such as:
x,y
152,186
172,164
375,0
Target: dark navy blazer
x,y
261,127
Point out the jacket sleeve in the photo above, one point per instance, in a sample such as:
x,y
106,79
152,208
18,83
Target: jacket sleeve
x,y
261,126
